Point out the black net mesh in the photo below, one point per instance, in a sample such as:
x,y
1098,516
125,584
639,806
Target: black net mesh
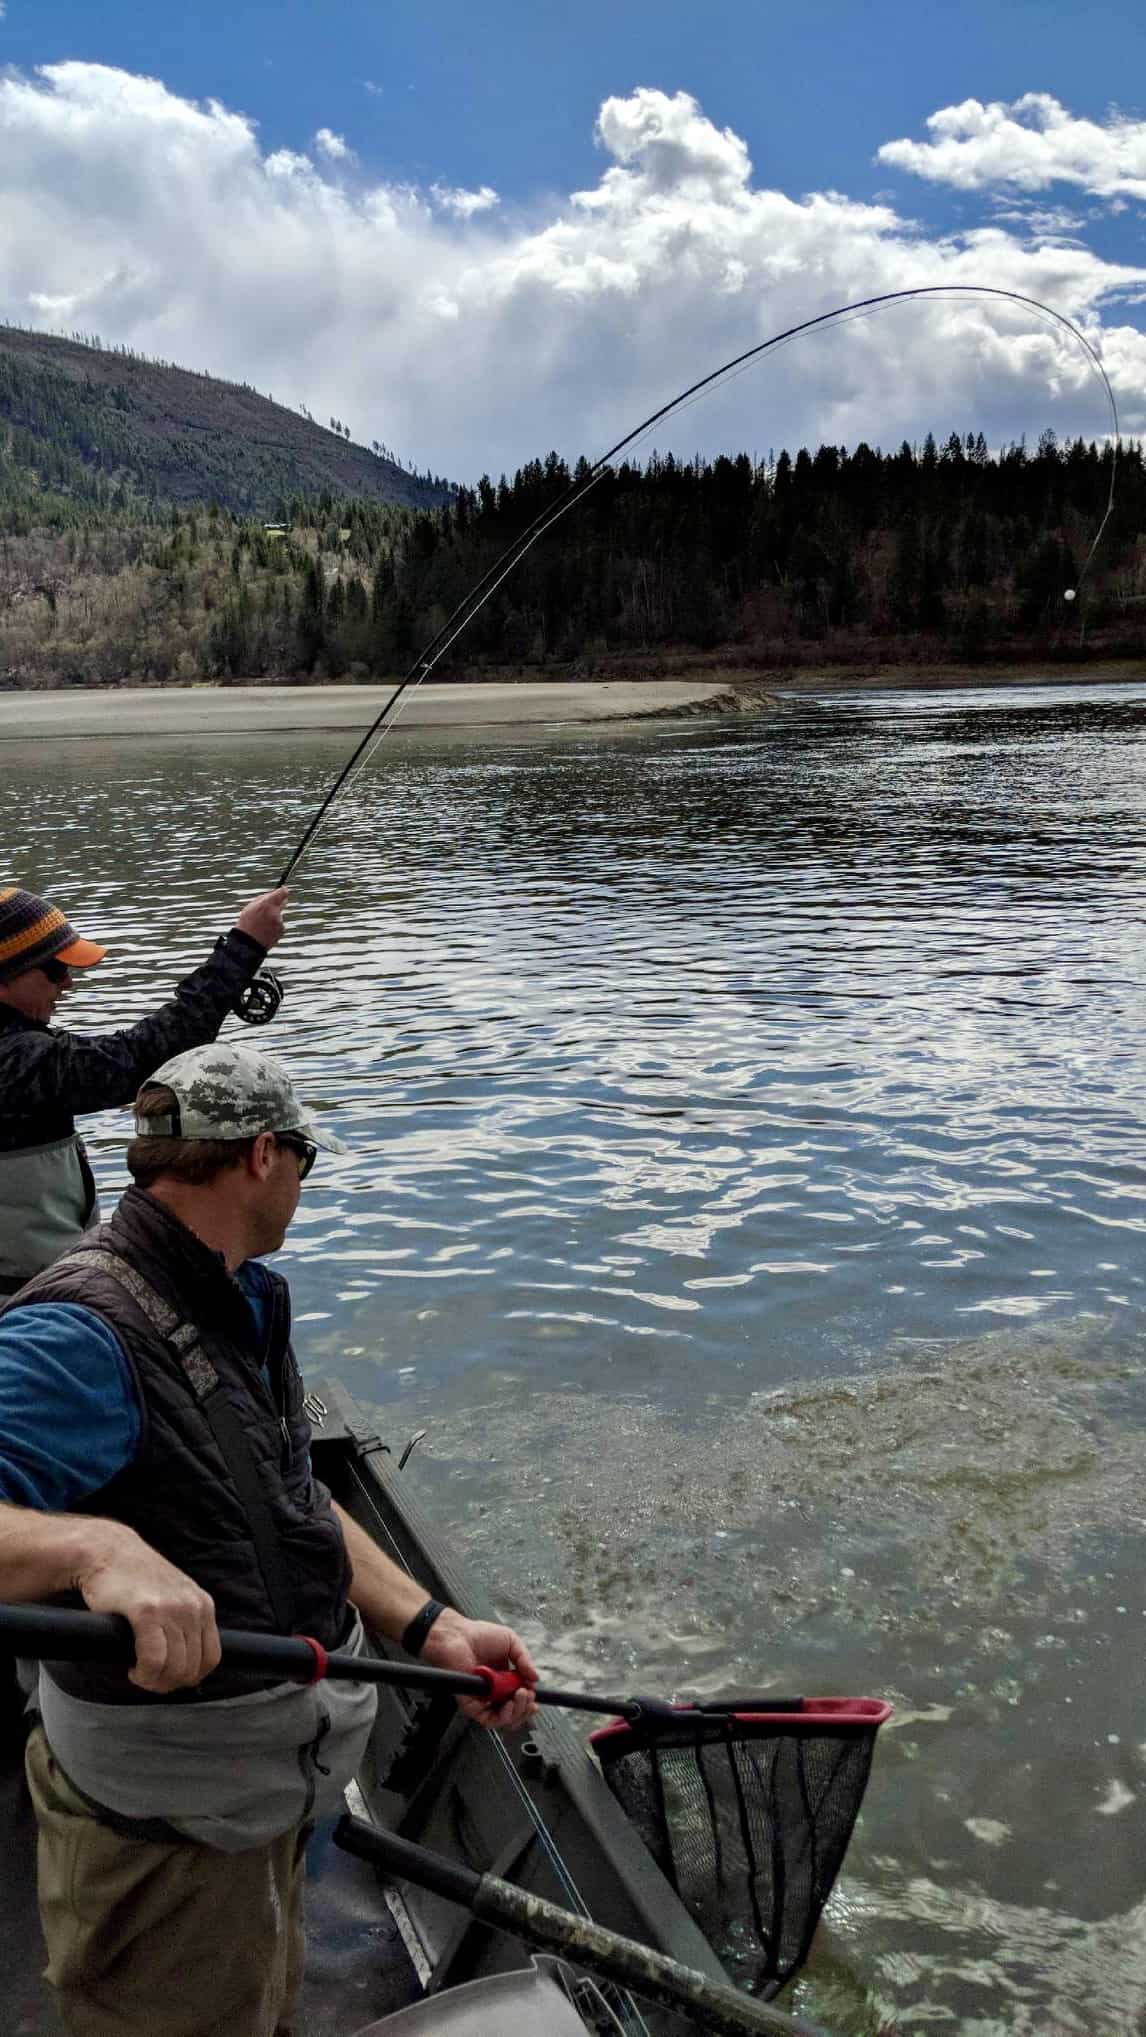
x,y
749,1819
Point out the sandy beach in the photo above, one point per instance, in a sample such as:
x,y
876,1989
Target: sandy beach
x,y
212,711
248,710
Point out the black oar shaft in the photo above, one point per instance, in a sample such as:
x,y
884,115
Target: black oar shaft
x,y
403,1857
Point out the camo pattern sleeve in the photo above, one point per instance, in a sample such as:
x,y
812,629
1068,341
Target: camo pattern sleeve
x,y
48,1076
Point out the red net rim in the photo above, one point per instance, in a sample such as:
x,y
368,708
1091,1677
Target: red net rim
x,y
855,1715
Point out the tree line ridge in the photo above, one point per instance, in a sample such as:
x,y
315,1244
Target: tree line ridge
x,y
147,540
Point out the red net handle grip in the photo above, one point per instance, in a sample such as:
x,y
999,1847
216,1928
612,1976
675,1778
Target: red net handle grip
x,y
495,1686
500,1684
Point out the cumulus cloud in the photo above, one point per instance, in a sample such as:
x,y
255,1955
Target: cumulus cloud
x,y
332,146
666,145
475,335
464,204
1029,144
1049,221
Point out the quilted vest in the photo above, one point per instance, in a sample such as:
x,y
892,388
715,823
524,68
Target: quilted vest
x,y
221,1482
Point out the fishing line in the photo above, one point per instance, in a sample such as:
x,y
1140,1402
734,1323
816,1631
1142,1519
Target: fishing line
x,y
475,599
558,1863
549,1845
493,1741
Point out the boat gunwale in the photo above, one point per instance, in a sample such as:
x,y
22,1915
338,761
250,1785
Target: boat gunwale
x,y
561,1779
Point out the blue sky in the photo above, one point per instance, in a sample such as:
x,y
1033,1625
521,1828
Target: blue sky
x,y
506,94
518,305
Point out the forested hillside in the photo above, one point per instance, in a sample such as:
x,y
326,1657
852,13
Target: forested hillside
x,y
920,556
923,553
106,429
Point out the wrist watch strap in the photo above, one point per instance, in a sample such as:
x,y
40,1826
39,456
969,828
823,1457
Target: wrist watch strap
x,y
414,1635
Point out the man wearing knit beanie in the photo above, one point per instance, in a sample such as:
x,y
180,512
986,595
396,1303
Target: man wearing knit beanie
x,y
49,1076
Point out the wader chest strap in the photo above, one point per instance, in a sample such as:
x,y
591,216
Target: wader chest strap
x,y
220,1416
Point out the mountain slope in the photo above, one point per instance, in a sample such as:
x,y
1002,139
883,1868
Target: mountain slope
x,y
100,425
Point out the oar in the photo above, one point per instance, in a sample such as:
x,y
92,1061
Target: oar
x,y
713,2005
65,1636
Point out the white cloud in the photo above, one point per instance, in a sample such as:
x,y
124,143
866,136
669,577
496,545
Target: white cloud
x,y
464,204
284,163
475,335
374,90
1048,222
1029,144
667,145
332,146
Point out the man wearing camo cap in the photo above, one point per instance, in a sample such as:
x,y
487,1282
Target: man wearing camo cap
x,y
154,1458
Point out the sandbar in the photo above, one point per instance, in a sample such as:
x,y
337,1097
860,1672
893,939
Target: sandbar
x,y
248,710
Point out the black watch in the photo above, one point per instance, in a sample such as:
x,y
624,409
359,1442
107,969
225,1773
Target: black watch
x,y
414,1635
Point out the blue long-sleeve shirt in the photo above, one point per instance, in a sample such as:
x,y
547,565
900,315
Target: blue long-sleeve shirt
x,y
69,1412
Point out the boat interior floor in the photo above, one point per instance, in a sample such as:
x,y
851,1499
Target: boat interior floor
x,y
357,1968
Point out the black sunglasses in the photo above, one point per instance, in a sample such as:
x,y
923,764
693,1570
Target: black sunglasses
x,y
305,1152
56,972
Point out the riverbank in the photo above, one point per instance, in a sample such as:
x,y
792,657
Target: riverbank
x,y
772,678
250,710
705,689
949,678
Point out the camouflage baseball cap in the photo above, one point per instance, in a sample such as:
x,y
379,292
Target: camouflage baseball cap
x,y
229,1092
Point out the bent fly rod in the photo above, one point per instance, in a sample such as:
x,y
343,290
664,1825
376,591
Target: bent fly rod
x,y
474,601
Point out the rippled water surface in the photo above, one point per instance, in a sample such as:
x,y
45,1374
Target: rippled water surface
x,y
747,1193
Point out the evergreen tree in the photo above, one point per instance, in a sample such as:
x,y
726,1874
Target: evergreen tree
x,y
311,623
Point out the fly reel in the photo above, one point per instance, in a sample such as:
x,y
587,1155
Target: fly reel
x,y
258,1004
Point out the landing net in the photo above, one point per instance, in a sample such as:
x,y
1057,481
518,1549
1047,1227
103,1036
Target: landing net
x,y
748,1814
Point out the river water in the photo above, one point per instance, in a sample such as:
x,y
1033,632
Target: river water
x,y
747,1194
